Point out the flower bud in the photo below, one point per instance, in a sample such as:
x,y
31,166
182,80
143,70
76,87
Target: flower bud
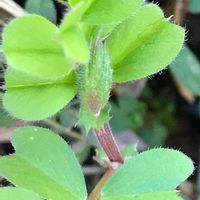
x,y
95,80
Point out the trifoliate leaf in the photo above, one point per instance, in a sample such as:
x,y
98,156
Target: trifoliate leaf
x,y
44,164
31,98
155,170
144,44
31,45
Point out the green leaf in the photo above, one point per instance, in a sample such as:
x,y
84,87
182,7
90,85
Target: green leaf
x,y
106,12
72,37
148,196
44,164
31,46
31,98
75,15
74,43
155,170
194,6
45,8
10,193
186,69
73,2
90,11
144,44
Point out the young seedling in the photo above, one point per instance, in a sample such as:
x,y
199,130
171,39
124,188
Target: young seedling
x,y
98,43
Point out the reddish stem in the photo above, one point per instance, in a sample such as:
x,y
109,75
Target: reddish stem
x,y
109,144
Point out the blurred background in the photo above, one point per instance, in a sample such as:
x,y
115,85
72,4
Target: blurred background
x,y
162,110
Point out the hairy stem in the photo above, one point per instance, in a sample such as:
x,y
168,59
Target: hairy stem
x,y
110,147
109,144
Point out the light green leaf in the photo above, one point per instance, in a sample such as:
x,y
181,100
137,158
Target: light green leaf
x,y
31,46
46,8
106,12
75,15
148,196
11,193
31,98
72,37
144,44
186,69
75,45
44,164
73,2
155,170
194,6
